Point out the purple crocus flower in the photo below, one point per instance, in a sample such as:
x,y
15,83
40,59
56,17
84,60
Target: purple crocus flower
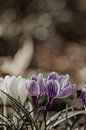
x,y
83,95
66,87
52,89
36,87
59,86
52,85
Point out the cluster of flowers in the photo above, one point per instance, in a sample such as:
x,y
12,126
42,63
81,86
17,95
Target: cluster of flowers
x,y
15,87
55,86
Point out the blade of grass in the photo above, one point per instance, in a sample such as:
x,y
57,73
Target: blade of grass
x,y
8,120
24,111
20,115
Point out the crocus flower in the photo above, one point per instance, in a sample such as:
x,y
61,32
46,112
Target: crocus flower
x,y
3,98
36,87
52,89
66,87
34,91
83,95
59,86
11,85
2,95
22,91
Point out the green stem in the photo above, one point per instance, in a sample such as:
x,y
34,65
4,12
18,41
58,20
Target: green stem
x,y
66,124
45,115
5,114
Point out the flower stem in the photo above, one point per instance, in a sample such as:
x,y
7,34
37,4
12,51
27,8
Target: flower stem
x,y
45,115
5,114
66,124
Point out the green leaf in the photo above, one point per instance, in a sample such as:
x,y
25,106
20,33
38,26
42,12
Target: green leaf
x,y
21,108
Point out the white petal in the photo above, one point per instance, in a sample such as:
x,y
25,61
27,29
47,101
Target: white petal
x,y
14,86
2,95
64,82
58,86
7,84
19,77
22,91
83,89
68,76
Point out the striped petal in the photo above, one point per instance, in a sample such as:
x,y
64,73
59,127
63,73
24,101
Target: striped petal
x,y
64,81
67,91
52,89
41,83
33,88
53,76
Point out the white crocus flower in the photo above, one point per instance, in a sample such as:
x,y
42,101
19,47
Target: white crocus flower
x,y
2,87
11,86
22,91
3,98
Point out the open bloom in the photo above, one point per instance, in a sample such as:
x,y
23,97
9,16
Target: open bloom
x,y
83,95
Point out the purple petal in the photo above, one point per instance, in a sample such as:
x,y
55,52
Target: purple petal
x,y
41,83
33,88
34,77
67,91
52,89
35,100
53,76
83,95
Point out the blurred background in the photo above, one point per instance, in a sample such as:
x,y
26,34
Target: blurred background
x,y
43,36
